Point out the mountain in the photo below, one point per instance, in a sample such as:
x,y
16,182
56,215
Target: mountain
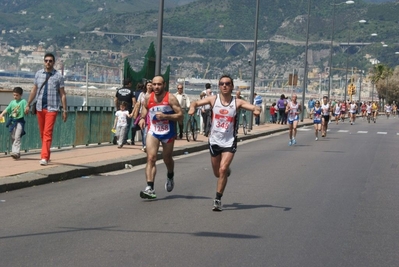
x,y
60,23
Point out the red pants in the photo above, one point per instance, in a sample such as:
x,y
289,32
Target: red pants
x,y
46,121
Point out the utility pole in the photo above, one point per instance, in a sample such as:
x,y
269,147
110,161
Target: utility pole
x,y
159,39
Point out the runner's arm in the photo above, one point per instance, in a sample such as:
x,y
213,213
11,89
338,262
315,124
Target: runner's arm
x,y
247,106
199,103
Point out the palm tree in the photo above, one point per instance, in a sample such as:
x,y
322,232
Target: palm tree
x,y
379,77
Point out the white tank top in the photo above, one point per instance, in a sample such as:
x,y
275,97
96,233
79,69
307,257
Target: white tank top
x,y
368,108
325,109
293,110
224,120
353,108
337,109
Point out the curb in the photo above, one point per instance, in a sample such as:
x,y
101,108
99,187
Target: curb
x,y
66,172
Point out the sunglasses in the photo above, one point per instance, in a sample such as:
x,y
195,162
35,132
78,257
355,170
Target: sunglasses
x,y
48,60
227,84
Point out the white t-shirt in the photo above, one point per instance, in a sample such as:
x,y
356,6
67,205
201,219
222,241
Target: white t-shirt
x,y
122,117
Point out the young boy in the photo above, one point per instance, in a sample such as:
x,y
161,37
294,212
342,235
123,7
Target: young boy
x,y
120,123
16,122
273,113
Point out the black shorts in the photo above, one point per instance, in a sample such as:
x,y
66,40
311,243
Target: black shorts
x,y
216,150
326,118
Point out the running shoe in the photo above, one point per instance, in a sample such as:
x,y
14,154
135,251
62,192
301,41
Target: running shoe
x,y
148,193
217,205
170,183
43,162
290,143
293,141
15,155
317,139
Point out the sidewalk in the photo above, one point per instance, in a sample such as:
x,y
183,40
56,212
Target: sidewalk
x,y
69,163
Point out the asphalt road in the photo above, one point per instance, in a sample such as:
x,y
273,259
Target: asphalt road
x,y
331,202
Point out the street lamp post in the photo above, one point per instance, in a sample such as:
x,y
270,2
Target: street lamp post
x,y
251,96
332,43
159,39
305,72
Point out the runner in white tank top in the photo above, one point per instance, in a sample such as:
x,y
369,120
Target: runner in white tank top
x,y
325,116
337,111
292,110
222,140
352,112
223,127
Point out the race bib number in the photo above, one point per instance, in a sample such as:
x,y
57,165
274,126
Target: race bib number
x,y
222,126
161,127
292,115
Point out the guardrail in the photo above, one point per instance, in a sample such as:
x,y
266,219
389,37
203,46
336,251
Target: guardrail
x,y
84,126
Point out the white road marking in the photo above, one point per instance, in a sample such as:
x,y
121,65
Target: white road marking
x,y
343,131
362,131
381,132
303,129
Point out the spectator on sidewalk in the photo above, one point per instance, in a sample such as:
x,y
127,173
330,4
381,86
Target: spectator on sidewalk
x,y
147,90
281,104
184,102
49,92
258,103
126,94
206,111
120,124
16,121
140,92
273,113
311,105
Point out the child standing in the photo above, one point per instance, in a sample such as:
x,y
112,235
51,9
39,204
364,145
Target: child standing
x,y
273,113
16,122
120,123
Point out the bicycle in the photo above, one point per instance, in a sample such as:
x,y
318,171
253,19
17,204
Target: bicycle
x,y
207,123
192,129
244,123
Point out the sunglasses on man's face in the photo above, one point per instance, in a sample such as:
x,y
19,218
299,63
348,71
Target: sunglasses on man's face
x,y
226,83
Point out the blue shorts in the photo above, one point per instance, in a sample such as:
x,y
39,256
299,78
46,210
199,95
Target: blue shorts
x,y
292,121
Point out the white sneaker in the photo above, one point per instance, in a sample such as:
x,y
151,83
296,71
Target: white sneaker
x,y
43,162
317,139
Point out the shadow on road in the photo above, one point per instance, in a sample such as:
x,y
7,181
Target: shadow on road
x,y
240,206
